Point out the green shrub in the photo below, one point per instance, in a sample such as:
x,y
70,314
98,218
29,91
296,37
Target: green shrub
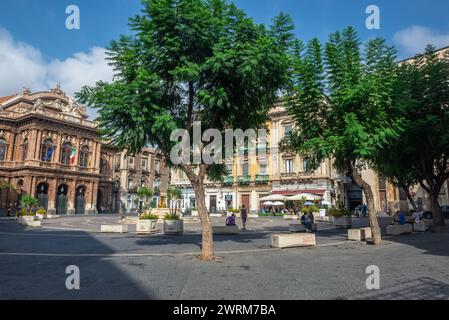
x,y
149,216
172,217
25,213
339,211
42,212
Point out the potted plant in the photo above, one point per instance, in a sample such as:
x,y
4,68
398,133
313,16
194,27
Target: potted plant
x,y
28,204
341,216
145,194
41,214
147,224
173,225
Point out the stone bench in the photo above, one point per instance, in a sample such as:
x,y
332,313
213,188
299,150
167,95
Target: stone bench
x,y
296,227
291,217
223,230
118,228
293,240
52,216
397,229
362,234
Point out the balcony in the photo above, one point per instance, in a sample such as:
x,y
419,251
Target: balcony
x,y
228,181
262,179
244,180
288,175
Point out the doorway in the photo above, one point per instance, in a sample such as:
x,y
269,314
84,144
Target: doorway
x,y
61,200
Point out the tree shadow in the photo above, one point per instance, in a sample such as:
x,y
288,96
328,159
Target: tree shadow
x,y
424,288
34,261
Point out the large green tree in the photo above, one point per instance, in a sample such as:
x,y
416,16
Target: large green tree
x,y
421,153
341,101
186,61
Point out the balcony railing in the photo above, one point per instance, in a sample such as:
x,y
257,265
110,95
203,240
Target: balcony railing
x,y
228,181
244,180
262,178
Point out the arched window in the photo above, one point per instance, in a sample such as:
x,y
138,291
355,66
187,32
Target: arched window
x,y
130,182
47,150
84,157
3,147
25,150
66,152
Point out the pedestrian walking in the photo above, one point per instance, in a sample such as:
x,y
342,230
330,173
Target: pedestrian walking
x,y
244,217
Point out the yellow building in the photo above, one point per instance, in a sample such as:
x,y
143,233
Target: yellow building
x,y
259,174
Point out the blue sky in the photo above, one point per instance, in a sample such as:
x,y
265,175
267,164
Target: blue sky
x,y
42,51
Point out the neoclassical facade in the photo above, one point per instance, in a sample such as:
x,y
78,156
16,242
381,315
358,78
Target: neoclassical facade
x,y
146,169
50,150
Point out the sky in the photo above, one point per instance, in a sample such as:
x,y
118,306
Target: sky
x,y
38,51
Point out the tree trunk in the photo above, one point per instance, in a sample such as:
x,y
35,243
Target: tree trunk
x,y
372,214
438,219
410,198
207,248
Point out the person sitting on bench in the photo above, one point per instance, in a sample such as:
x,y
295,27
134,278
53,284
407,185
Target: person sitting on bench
x,y
230,221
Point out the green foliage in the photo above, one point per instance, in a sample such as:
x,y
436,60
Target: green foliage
x,y
190,60
42,212
172,217
339,211
342,100
236,211
149,216
29,203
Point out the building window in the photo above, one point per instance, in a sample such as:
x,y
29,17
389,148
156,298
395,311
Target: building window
x,y
263,168
25,150
47,150
245,169
66,152
306,164
143,183
289,166
288,128
157,166
131,162
229,169
144,165
3,148
103,163
84,157
156,183
130,182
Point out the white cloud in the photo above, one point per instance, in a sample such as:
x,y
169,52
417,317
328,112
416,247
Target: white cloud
x,y
22,65
413,40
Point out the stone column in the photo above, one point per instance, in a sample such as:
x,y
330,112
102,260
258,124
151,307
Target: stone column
x,y
12,145
71,197
254,203
38,145
52,190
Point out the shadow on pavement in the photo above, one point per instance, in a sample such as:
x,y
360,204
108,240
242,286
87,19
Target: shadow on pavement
x,y
44,278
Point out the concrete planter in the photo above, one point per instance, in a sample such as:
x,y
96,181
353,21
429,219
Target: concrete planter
x,y
29,221
120,228
195,213
224,230
345,221
291,217
146,226
173,227
41,216
397,230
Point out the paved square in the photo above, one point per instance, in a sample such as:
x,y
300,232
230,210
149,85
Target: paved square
x,y
33,263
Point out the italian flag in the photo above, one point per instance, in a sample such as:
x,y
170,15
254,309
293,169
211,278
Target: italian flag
x,y
72,156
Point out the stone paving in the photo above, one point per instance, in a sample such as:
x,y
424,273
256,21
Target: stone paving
x,y
128,266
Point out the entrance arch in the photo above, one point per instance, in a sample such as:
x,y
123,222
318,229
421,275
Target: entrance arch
x,y
80,200
42,195
61,200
